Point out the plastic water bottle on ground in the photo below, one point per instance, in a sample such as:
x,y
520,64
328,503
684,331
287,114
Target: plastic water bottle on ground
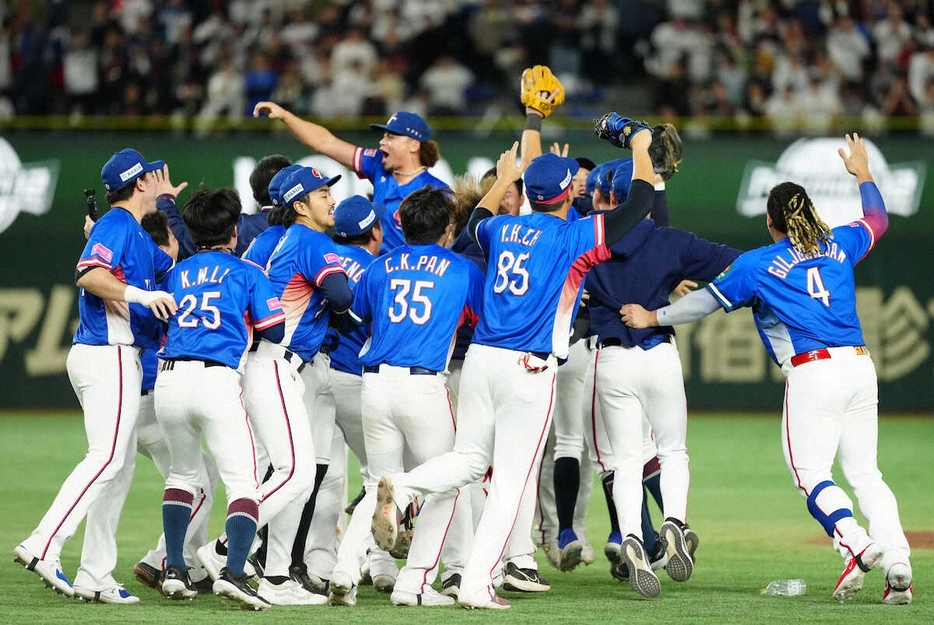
x,y
785,588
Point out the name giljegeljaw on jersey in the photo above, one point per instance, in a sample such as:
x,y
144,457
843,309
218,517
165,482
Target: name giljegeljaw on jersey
x,y
813,163
26,188
781,266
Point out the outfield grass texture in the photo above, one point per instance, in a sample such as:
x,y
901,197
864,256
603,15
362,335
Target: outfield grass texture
x,y
753,526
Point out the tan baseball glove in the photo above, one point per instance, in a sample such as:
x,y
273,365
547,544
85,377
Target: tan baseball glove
x,y
541,90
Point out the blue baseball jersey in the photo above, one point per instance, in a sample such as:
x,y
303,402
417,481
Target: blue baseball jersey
x,y
346,356
799,302
415,298
645,267
250,226
297,267
221,299
534,279
262,246
119,244
368,163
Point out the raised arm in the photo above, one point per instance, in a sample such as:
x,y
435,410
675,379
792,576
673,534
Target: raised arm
x,y
316,137
541,92
856,161
507,171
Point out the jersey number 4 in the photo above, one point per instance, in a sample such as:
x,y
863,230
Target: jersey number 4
x,y
511,274
816,287
210,315
410,300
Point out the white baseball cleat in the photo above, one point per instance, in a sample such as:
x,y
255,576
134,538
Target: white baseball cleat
x,y
641,576
898,589
680,565
288,592
50,572
854,573
429,598
115,594
391,527
384,583
494,603
343,590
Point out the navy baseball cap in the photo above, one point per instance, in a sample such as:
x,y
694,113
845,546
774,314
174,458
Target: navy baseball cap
x,y
408,124
603,175
356,215
548,178
302,181
126,166
622,179
275,183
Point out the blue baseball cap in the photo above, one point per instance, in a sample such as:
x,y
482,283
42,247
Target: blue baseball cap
x,y
126,166
356,215
275,183
302,181
548,178
622,179
407,124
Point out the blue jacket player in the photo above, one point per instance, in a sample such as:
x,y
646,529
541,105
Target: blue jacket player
x,y
802,293
222,300
398,167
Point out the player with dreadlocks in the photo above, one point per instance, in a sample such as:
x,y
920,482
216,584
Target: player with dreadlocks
x,y
802,292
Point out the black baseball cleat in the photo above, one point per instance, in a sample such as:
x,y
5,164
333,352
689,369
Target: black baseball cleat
x,y
237,588
177,585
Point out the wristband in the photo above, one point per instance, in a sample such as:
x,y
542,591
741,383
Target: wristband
x,y
134,295
533,122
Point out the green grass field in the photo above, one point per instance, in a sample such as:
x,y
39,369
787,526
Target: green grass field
x,y
753,527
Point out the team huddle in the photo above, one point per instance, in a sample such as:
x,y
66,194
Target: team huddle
x,y
449,341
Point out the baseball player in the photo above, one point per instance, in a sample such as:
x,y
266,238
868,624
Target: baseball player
x,y
358,239
537,264
151,443
116,274
638,376
261,248
222,299
414,298
801,289
249,226
397,168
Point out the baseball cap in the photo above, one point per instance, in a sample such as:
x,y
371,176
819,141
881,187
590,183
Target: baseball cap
x,y
126,166
603,175
548,178
275,183
408,124
302,181
356,215
585,162
622,179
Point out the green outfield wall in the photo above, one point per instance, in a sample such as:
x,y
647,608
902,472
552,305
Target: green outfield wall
x,y
725,365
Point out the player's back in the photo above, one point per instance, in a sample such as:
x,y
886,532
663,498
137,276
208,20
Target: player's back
x,y
345,357
220,297
533,281
416,296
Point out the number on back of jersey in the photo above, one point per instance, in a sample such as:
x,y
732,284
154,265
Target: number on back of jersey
x,y
510,274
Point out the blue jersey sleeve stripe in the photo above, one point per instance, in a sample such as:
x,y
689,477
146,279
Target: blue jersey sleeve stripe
x,y
262,324
727,304
327,271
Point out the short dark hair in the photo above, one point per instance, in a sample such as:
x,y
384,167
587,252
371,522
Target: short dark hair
x,y
276,215
425,214
121,194
491,173
157,225
265,169
211,215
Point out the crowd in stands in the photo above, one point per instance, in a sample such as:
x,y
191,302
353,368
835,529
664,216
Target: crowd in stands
x,y
801,64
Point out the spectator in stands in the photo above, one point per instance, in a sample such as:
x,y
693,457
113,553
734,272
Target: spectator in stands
x,y
848,49
354,53
891,35
259,81
79,73
446,82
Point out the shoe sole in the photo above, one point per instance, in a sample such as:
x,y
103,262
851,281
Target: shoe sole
x,y
514,584
897,597
692,541
571,556
145,577
226,590
850,582
385,526
411,600
22,556
641,576
384,584
96,597
612,553
680,565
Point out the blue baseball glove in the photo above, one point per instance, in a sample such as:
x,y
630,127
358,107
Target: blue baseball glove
x,y
618,130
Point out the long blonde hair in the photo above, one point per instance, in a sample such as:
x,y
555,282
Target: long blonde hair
x,y
793,213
